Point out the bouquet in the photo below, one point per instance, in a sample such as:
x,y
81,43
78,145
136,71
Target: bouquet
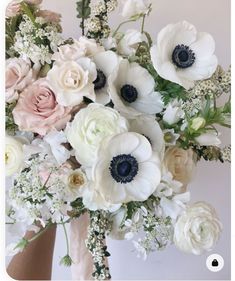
x,y
111,124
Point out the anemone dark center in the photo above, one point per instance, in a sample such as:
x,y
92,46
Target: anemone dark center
x,y
183,56
100,80
129,93
123,168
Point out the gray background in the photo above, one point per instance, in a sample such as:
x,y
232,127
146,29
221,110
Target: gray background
x,y
212,180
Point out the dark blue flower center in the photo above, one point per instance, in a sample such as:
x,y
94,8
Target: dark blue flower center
x,y
183,56
123,168
129,93
100,80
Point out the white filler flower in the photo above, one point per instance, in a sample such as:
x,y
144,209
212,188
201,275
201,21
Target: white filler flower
x,y
183,55
132,90
198,229
127,169
89,127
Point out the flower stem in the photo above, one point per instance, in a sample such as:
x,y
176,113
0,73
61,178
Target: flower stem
x,y
28,12
142,25
120,25
40,233
66,236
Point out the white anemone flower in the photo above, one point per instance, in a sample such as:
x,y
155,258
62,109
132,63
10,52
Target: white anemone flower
x,y
148,126
126,169
132,90
183,55
105,62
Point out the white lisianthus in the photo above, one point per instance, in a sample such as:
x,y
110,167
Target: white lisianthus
x,y
126,168
73,80
88,129
93,200
135,7
175,206
198,229
173,113
13,155
118,230
183,55
132,90
129,42
209,138
109,43
148,126
55,139
170,137
105,63
198,123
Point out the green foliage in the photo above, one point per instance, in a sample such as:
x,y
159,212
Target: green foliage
x,y
83,9
10,125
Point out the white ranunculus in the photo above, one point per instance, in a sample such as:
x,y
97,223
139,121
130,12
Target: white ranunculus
x,y
183,55
105,63
175,206
13,155
209,138
135,7
173,113
88,129
198,229
129,42
126,169
18,75
132,90
73,80
148,126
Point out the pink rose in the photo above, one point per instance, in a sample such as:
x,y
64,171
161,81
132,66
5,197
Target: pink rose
x,y
13,9
37,110
18,75
49,16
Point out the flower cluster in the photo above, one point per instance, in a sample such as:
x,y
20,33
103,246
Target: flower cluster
x,y
112,124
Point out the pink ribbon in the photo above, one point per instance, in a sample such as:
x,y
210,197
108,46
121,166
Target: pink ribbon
x,y
82,267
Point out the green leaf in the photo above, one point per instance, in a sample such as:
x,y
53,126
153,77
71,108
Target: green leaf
x,y
83,9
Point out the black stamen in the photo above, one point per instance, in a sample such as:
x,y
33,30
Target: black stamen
x,y
183,56
100,80
129,93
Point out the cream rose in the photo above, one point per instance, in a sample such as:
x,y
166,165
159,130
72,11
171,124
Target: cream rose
x,y
37,110
73,80
198,229
88,129
13,155
18,75
180,163
91,46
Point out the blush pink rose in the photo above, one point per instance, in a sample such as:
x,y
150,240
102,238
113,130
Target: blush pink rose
x,y
49,16
18,75
13,9
37,110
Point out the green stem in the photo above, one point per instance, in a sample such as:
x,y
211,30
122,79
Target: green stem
x,y
66,236
120,25
142,25
40,233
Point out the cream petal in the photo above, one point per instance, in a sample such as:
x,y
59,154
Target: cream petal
x,y
106,61
202,69
204,46
89,65
102,96
143,151
140,78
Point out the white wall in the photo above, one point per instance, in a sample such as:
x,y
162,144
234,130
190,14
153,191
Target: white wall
x,y
212,182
